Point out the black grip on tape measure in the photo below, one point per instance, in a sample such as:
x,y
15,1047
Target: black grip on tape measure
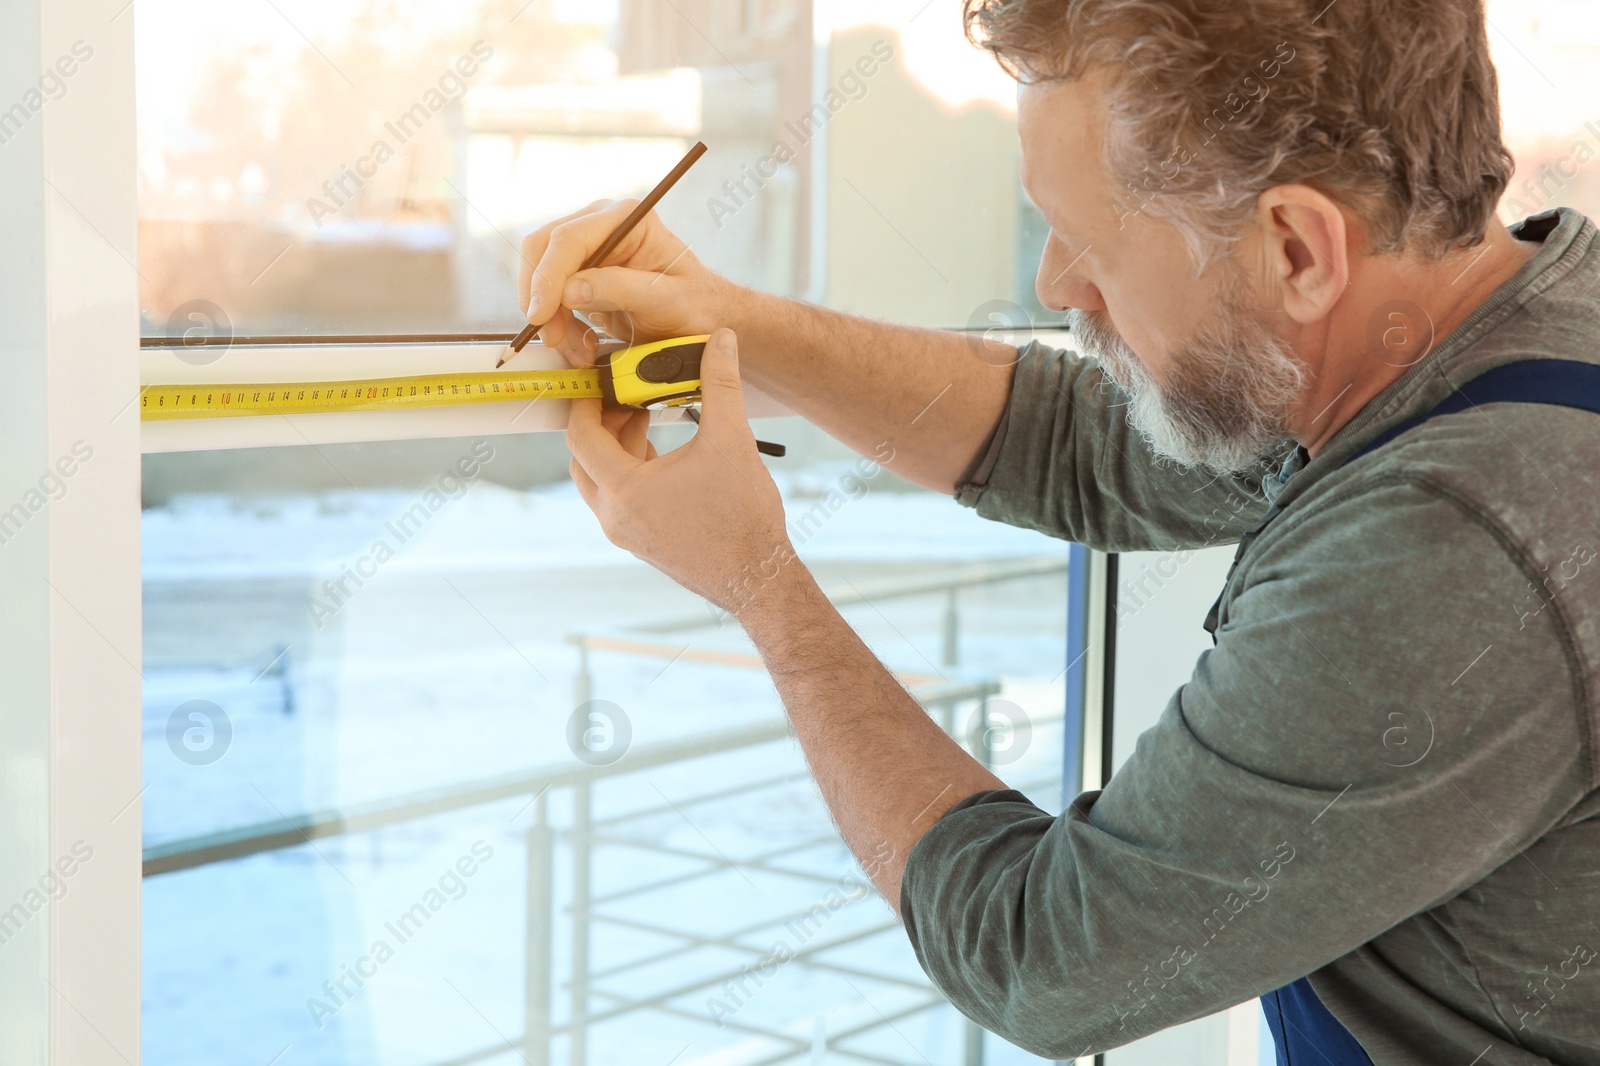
x,y
672,365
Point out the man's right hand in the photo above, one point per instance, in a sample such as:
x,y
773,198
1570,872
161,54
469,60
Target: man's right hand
x,y
651,288
919,401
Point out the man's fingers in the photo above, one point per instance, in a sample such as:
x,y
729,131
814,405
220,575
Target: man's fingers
x,y
534,245
593,446
635,435
619,288
532,250
628,426
572,337
722,393
587,489
569,244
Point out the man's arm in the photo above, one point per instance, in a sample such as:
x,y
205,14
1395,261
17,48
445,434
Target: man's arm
x,y
931,396
709,516
886,770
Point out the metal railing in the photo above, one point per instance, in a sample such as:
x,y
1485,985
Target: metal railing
x,y
589,909
949,583
590,1003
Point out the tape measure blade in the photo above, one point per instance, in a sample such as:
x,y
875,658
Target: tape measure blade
x,y
182,402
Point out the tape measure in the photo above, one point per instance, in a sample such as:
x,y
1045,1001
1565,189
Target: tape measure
x,y
646,376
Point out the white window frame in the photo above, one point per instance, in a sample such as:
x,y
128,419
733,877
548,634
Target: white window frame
x,y
69,576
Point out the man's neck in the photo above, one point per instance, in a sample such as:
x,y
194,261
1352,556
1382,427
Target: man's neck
x,y
1394,313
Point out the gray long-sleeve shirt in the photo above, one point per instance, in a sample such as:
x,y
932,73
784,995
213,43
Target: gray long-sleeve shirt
x,y
1384,775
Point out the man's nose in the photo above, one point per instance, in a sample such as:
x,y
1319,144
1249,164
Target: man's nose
x,y
1062,284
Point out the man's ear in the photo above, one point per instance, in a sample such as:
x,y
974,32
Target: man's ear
x,y
1305,246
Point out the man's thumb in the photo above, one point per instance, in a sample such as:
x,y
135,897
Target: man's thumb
x,y
722,394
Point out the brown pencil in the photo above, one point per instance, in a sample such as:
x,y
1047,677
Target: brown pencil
x,y
618,235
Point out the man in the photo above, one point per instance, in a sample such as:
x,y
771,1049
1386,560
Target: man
x,y
1273,224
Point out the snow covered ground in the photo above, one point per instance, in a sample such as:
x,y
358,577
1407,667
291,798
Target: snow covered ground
x,y
450,664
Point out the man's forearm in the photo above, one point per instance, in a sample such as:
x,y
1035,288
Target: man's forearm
x,y
932,396
886,770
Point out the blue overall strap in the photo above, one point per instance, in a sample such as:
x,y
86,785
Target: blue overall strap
x,y
1305,1032
1553,382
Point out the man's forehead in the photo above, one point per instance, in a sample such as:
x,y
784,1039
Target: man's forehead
x,y
1061,106
1058,123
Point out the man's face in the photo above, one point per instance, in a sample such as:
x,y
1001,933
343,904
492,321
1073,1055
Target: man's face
x,y
1211,383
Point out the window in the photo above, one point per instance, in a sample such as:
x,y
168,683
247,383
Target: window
x,y
435,774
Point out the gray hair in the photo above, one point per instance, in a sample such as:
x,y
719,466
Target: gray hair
x,y
1391,107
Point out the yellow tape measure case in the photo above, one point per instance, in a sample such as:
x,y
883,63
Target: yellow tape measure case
x,y
661,374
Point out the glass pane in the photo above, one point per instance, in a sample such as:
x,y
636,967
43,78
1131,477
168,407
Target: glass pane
x,y
432,767
358,167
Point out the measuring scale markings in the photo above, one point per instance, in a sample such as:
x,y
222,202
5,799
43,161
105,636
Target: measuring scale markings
x,y
161,402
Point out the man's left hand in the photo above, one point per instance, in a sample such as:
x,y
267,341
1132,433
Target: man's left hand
x,y
707,515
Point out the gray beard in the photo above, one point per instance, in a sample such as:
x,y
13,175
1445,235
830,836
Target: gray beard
x,y
1230,400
